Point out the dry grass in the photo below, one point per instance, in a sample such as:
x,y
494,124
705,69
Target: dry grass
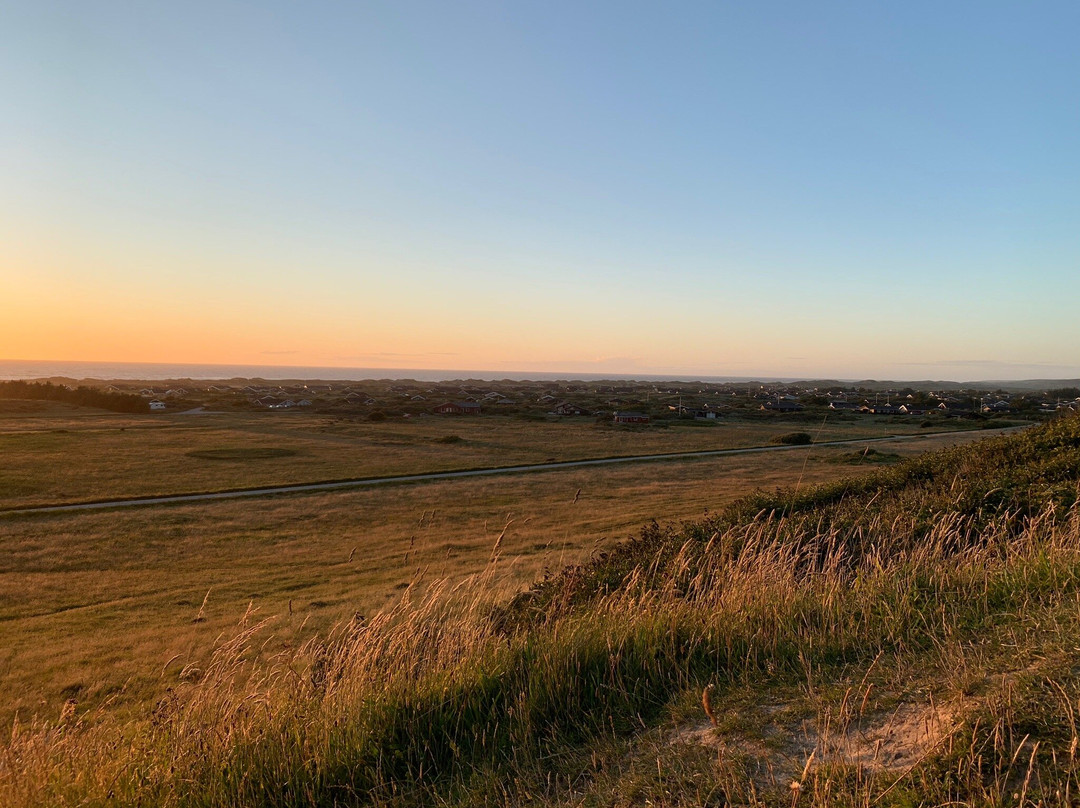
x,y
93,605
58,456
426,697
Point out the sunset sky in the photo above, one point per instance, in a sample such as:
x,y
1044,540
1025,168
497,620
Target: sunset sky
x,y
852,190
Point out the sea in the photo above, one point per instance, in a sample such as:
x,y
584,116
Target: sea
x,y
138,371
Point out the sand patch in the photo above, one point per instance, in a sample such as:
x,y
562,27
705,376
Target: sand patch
x,y
784,748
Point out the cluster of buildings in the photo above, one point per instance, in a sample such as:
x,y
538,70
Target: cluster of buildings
x,y
623,402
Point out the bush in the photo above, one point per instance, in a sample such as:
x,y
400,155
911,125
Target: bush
x,y
377,415
794,439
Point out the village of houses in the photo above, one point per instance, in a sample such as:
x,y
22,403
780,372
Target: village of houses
x,y
620,402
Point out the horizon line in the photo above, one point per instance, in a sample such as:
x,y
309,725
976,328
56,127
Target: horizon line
x,y
488,375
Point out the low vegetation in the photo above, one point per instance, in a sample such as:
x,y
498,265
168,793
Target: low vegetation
x,y
794,439
51,460
95,603
866,456
906,637
80,396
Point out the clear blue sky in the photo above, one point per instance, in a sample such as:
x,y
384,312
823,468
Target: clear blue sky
x,y
847,189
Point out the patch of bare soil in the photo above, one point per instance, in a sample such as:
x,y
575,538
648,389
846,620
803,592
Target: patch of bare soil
x,y
784,748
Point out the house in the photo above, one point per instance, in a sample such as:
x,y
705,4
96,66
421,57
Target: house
x,y
843,405
458,408
885,409
697,413
157,406
954,404
631,418
566,408
782,405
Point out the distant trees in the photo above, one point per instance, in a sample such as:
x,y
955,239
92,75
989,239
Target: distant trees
x,y
1064,393
81,396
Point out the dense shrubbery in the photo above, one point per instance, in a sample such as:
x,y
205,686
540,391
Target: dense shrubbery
x,y
82,396
794,439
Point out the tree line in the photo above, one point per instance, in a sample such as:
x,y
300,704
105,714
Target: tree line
x,y
81,396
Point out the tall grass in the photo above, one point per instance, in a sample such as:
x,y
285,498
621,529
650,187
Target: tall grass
x,y
438,700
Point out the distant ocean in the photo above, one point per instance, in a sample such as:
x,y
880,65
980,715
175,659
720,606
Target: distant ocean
x,y
131,371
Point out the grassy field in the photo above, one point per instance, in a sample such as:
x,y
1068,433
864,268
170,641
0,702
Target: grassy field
x,y
904,637
93,605
58,454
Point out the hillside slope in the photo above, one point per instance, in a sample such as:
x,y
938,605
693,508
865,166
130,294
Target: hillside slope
x,y
909,638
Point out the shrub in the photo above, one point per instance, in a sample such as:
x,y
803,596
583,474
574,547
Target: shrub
x,y
794,439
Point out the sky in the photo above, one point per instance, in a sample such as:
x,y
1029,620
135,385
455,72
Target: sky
x,y
845,190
